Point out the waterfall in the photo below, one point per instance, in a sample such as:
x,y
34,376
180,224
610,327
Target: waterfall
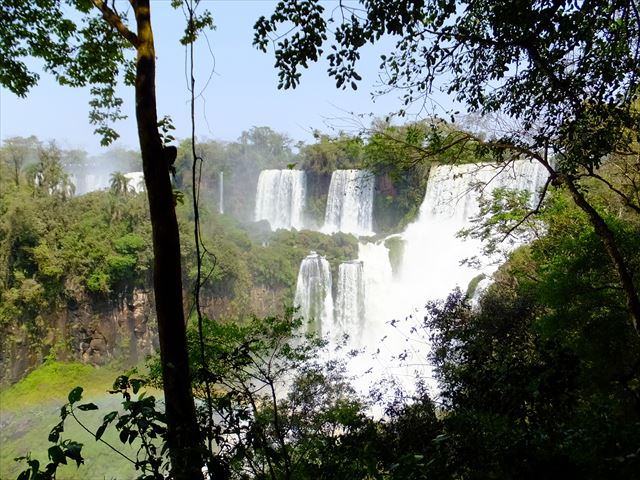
x,y
430,267
221,193
280,198
350,203
92,182
136,181
349,310
313,294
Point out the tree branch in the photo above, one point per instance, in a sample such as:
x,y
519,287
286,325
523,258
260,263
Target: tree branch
x,y
627,201
530,213
604,232
113,19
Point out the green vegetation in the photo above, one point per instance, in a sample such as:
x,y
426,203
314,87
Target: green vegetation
x,y
396,249
545,372
52,381
59,252
542,381
31,407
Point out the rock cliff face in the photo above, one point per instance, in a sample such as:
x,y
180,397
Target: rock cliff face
x,y
99,331
125,328
95,332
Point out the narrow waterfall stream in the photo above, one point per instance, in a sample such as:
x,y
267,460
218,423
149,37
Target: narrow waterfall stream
x,y
280,198
221,193
313,294
350,300
350,203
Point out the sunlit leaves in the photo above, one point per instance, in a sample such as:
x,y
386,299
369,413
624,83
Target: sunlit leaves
x,y
27,29
87,52
304,44
105,110
196,22
566,73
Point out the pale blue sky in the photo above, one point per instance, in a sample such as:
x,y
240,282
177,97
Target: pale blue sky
x,y
242,91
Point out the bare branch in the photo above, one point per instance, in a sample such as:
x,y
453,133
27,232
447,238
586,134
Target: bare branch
x,y
530,213
627,201
113,19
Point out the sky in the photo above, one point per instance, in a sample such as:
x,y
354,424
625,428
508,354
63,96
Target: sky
x,y
241,88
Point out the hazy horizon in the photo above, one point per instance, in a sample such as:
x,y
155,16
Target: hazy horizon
x,y
239,82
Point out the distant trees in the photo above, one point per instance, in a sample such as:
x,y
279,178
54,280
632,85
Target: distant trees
x,y
265,142
17,152
48,175
241,161
119,184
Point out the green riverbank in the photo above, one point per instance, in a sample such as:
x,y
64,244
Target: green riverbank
x,y
31,407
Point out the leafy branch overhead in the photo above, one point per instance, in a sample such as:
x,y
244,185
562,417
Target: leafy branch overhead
x,y
77,53
566,71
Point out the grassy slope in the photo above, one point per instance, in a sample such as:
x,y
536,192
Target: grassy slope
x,y
31,407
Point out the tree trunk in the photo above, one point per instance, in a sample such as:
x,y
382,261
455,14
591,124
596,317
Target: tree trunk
x,y
183,437
606,236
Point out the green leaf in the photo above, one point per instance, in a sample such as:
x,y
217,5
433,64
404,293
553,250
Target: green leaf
x,y
56,455
100,431
132,436
120,383
136,384
54,434
25,475
109,417
73,450
75,395
88,406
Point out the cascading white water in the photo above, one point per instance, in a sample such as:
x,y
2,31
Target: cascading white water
x,y
377,276
313,294
280,198
431,267
91,182
350,203
349,308
136,181
431,254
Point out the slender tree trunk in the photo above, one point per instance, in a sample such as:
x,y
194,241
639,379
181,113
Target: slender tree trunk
x,y
606,236
183,434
